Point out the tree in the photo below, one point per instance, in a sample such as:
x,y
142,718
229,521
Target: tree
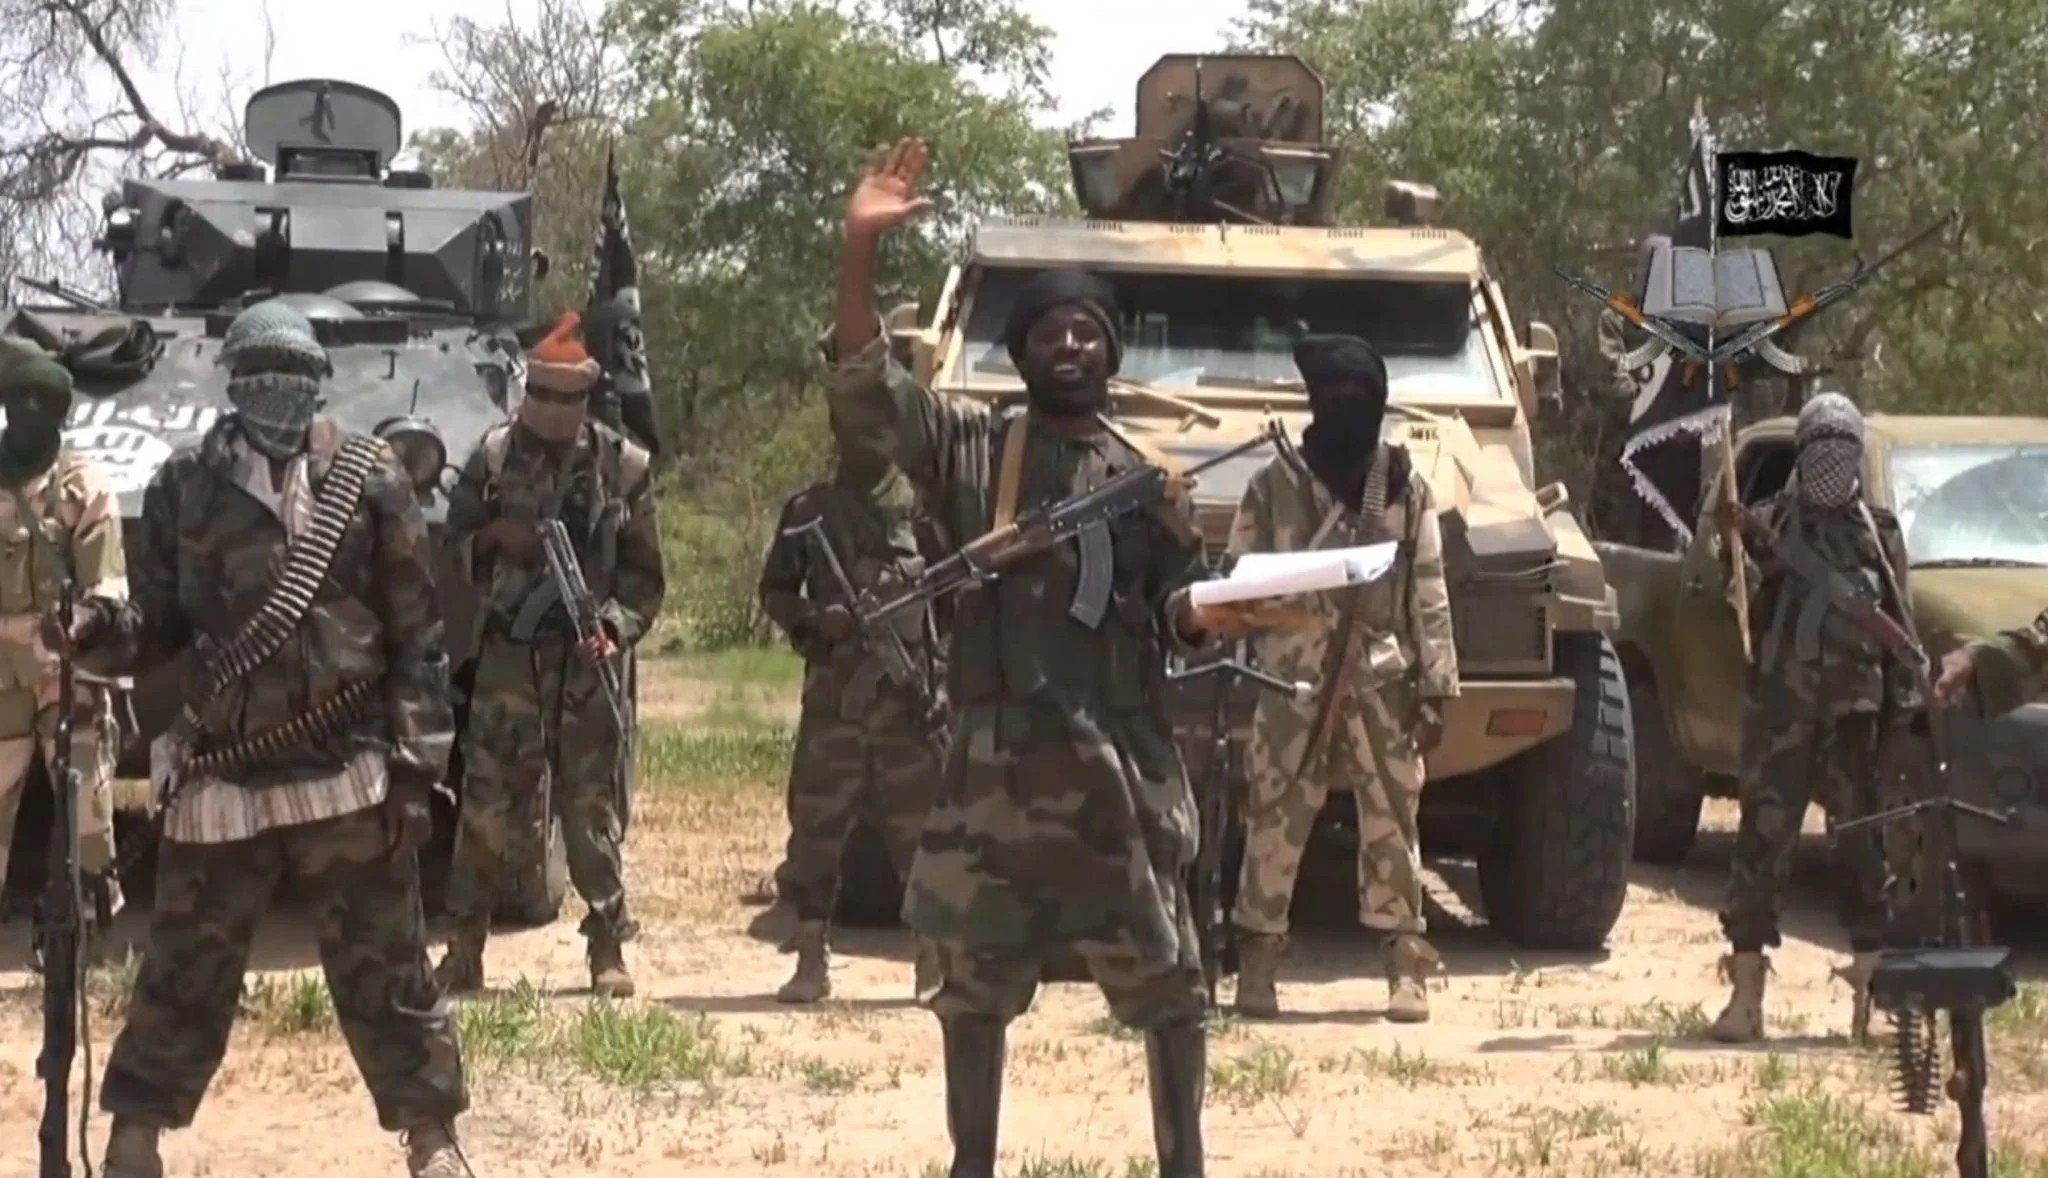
x,y
56,59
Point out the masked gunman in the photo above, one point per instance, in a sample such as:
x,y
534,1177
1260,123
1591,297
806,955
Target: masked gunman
x,y
1388,657
864,742
538,717
58,522
1065,816
1821,693
313,763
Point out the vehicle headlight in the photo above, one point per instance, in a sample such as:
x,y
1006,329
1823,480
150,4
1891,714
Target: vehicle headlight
x,y
420,449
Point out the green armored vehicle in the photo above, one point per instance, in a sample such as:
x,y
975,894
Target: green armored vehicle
x,y
1971,495
1212,222
419,294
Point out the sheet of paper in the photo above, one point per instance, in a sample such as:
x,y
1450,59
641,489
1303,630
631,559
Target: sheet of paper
x,y
1259,576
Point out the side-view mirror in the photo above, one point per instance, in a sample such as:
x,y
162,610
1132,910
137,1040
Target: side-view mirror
x,y
1543,362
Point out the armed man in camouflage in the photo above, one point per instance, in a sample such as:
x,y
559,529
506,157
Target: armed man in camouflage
x,y
1384,655
58,522
1822,693
313,763
865,742
1065,816
538,714
2007,669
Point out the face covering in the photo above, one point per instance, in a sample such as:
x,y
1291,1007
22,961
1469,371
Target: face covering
x,y
551,421
1830,456
1339,445
275,410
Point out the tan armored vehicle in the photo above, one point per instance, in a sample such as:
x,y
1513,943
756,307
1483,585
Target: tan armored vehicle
x,y
1212,223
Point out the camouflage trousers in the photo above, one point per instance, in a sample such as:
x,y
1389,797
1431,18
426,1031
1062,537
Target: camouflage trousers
x,y
1141,993
373,947
1281,808
1788,761
92,757
540,741
885,765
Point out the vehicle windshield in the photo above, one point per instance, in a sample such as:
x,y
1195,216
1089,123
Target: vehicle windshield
x,y
1965,505
1225,481
1187,332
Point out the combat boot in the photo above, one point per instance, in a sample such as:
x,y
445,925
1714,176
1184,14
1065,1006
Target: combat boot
x,y
1856,972
431,1152
926,975
462,968
1742,1020
1258,969
974,1092
608,976
131,1150
1410,962
812,981
1176,1063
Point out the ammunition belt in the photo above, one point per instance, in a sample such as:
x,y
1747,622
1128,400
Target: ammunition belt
x,y
305,569
329,719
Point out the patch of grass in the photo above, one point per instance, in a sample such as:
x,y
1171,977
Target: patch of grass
x,y
1265,1071
645,1046
109,985
1403,1067
1813,1134
673,754
1666,1020
766,666
1641,1065
830,1078
502,1028
1048,1167
291,1006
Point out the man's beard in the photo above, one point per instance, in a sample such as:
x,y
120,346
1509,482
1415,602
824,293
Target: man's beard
x,y
1080,397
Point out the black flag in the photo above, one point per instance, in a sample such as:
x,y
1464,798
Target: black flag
x,y
1788,193
1662,453
614,335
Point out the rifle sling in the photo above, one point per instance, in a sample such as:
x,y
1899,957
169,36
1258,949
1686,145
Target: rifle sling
x,y
307,559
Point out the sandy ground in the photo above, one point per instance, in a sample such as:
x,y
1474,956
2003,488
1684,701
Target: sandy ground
x,y
1533,1063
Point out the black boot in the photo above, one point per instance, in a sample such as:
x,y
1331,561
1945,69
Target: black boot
x,y
974,1092
1177,1062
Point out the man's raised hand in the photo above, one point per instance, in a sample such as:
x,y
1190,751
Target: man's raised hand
x,y
886,195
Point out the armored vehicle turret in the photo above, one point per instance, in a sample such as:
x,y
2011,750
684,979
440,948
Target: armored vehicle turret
x,y
1213,221
419,294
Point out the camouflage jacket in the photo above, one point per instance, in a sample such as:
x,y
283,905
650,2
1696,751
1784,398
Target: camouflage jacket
x,y
878,549
64,518
210,548
1403,632
2012,666
603,494
1810,653
1067,813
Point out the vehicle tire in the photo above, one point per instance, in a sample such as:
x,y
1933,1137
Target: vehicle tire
x,y
537,890
1669,792
1556,873
870,893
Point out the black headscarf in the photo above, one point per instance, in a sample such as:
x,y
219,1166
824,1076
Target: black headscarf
x,y
1059,288
1347,398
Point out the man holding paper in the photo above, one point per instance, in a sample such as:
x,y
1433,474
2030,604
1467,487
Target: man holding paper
x,y
1382,651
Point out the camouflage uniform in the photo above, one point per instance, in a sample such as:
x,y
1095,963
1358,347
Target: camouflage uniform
x,y
62,517
319,812
1065,817
865,742
2011,667
1402,654
539,726
1821,693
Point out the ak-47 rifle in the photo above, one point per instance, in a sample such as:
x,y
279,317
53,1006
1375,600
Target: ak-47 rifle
x,y
1807,306
1842,593
880,636
567,573
1212,805
1625,307
1038,531
59,936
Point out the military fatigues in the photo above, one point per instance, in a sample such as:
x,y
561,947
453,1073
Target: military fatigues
x,y
537,711
66,516
1401,653
865,743
213,530
2012,666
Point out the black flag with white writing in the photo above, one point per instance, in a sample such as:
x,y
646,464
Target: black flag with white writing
x,y
1787,193
1670,413
616,341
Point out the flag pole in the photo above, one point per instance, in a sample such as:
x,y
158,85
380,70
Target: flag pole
x,y
1731,533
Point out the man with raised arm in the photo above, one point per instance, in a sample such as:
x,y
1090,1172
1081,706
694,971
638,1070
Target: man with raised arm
x,y
1065,817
